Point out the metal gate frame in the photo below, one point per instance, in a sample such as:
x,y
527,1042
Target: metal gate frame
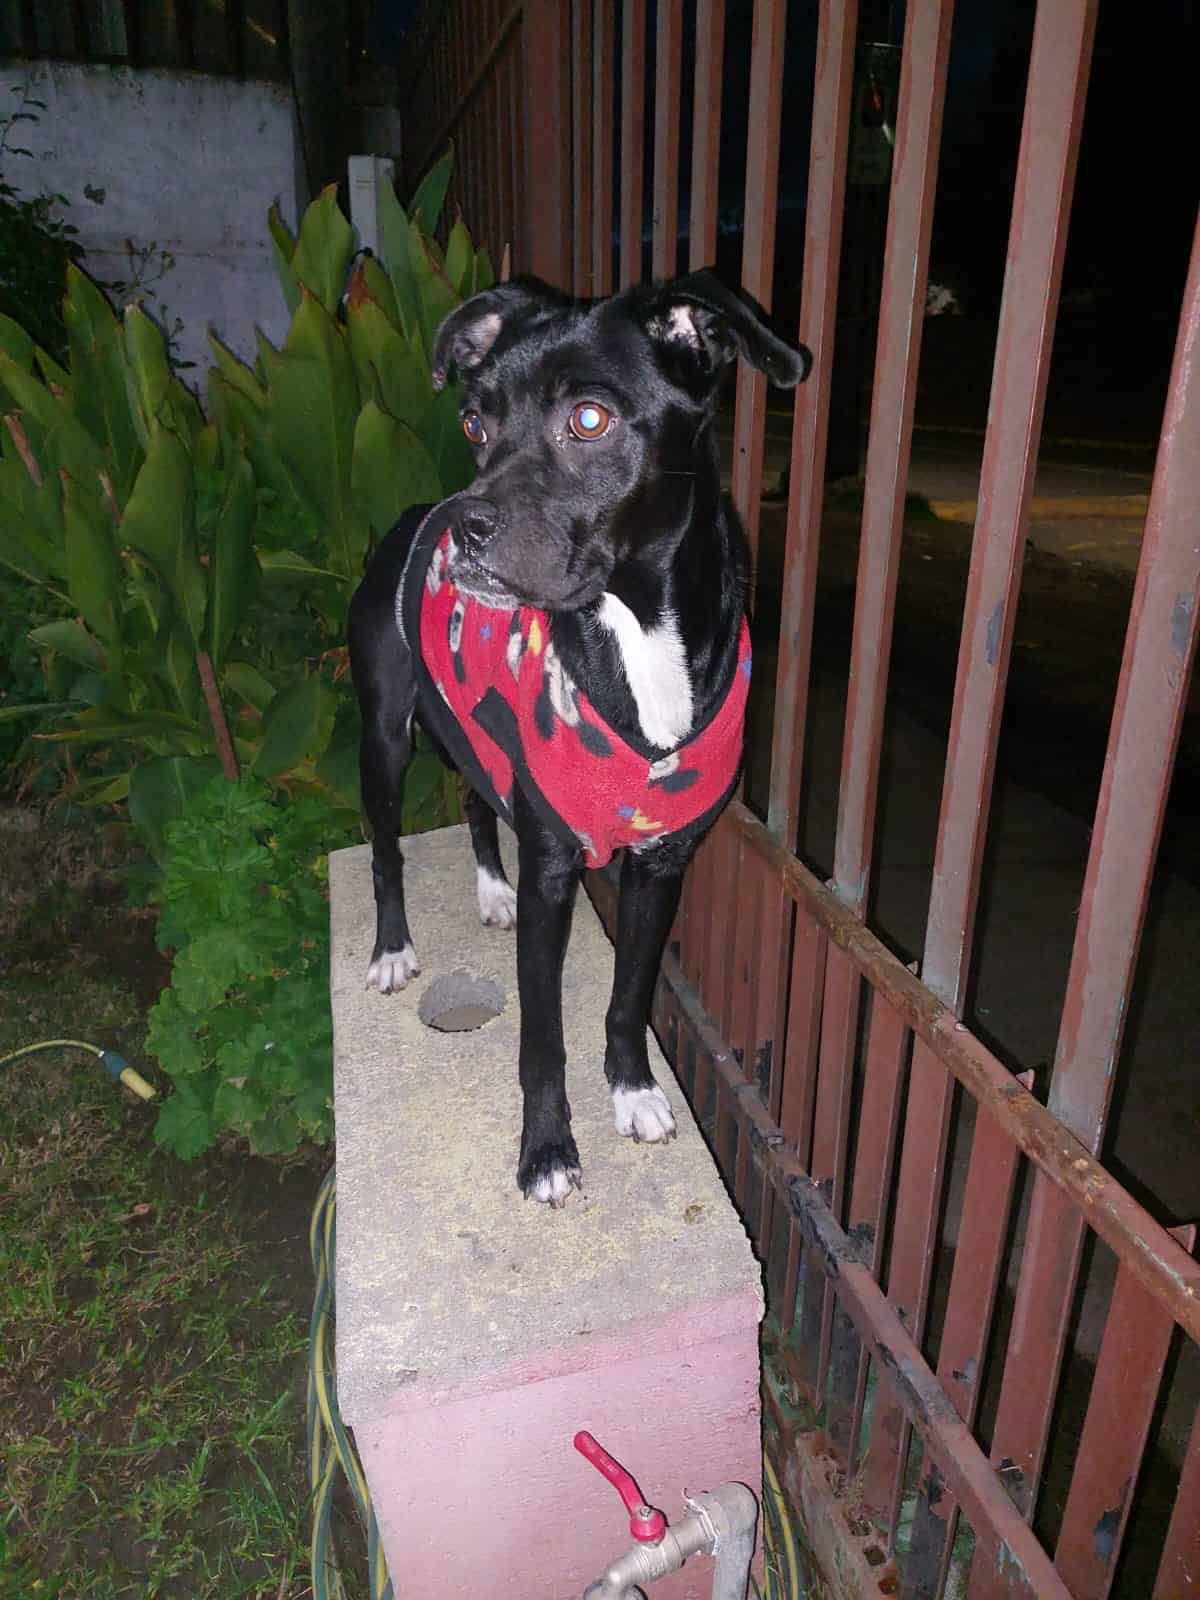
x,y
824,1068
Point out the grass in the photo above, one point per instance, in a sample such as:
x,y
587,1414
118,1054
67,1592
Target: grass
x,y
153,1323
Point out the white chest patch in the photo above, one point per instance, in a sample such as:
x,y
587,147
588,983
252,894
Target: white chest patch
x,y
656,670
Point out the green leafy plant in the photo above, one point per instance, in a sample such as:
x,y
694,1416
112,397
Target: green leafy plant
x,y
244,1029
203,567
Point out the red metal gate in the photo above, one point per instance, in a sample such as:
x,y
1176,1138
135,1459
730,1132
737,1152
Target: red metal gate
x,y
830,1076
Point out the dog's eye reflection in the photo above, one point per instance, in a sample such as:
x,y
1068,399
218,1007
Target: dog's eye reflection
x,y
473,428
589,420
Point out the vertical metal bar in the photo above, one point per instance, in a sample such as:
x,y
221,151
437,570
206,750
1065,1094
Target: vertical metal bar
x,y
758,249
581,154
905,266
1129,1369
603,89
1179,1566
706,133
1159,648
1058,70
832,95
506,135
633,134
798,1096
668,73
545,34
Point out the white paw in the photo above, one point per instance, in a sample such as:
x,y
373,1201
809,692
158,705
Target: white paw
x,y
497,901
644,1114
393,969
554,1188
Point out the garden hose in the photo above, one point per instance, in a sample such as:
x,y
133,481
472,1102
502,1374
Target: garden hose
x,y
329,1444
115,1065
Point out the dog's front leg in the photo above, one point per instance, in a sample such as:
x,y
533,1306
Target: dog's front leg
x,y
650,885
550,871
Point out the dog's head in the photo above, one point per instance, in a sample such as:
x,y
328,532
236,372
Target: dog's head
x,y
589,421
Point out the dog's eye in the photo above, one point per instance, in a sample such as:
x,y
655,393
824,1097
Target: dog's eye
x,y
473,428
589,420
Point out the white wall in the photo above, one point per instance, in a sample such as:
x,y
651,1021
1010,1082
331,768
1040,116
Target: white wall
x,y
189,161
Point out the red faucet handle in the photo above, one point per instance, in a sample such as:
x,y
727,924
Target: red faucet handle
x,y
645,1523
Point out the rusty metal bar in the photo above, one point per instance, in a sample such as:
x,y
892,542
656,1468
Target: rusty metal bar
x,y
1129,1369
706,133
832,95
924,60
1179,1566
758,250
603,86
1058,71
668,73
633,123
1153,1257
544,33
1159,647
1151,697
968,1474
581,148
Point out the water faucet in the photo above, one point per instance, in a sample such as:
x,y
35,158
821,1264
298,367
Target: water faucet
x,y
721,1524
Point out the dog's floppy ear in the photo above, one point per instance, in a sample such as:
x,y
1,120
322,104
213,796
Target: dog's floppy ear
x,y
700,313
470,331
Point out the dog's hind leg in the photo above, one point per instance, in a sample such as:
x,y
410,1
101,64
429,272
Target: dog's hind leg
x,y
497,897
650,884
549,1164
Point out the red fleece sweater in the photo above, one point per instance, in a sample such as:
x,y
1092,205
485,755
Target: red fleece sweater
x,y
512,715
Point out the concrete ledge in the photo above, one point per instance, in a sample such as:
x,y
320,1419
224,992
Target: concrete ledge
x,y
476,1332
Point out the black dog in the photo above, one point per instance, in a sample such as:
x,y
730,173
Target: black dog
x,y
596,574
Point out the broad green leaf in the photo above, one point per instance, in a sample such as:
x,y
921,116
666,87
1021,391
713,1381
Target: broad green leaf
x,y
323,249
298,722
185,1124
70,447
338,771
284,244
178,667
30,394
93,566
156,396
99,389
41,708
159,522
448,446
436,294
71,639
112,792
92,688
31,525
460,259
427,203
160,790
390,369
369,280
485,272
234,572
393,239
285,566
16,343
314,406
57,378
237,374
392,468
249,684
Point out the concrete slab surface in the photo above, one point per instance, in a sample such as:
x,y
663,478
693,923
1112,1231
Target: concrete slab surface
x,y
448,1282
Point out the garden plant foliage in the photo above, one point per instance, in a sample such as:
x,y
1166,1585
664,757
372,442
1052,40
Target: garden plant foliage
x,y
194,570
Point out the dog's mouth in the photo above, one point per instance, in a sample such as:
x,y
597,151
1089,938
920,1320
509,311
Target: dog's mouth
x,y
471,577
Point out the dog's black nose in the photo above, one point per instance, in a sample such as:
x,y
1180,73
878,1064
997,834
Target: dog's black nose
x,y
475,521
